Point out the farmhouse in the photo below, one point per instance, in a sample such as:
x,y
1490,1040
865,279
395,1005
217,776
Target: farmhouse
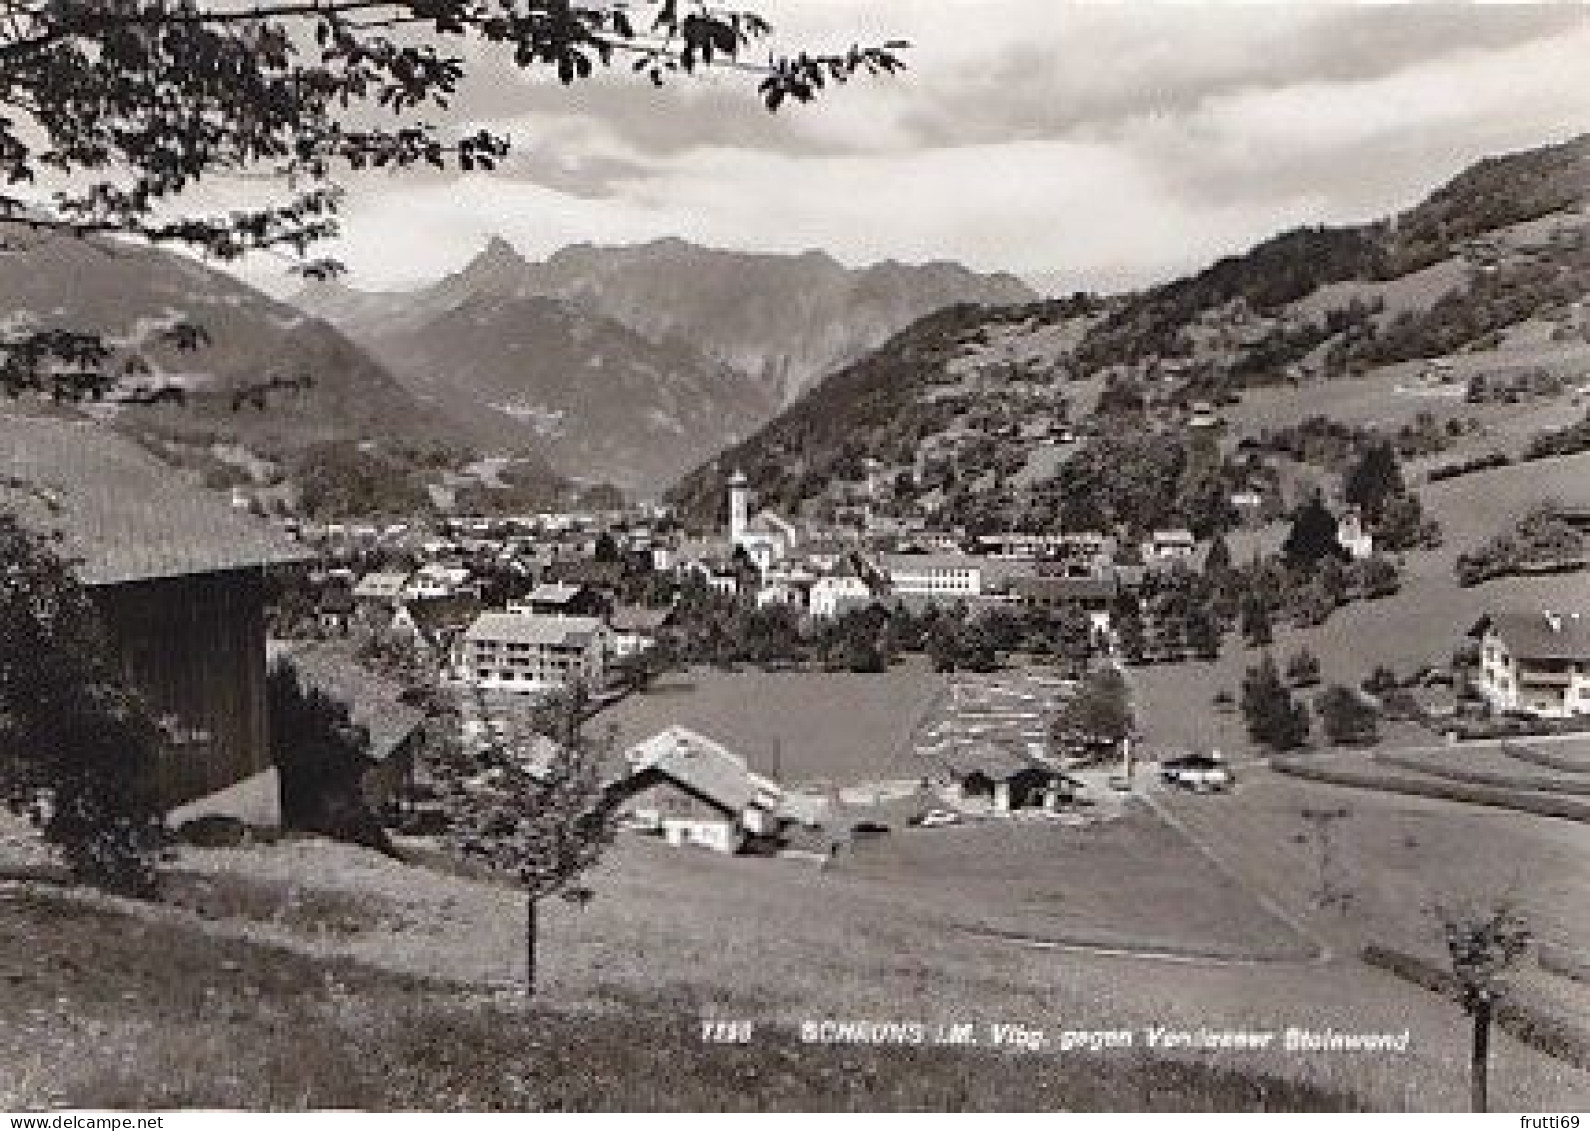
x,y
432,625
636,628
178,577
375,704
1535,663
696,791
1353,536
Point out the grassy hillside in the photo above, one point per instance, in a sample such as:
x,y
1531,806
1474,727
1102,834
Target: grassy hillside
x,y
112,1012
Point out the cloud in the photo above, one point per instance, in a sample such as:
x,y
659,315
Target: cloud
x,y
1098,145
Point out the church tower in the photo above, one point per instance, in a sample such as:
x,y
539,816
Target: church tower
x,y
739,508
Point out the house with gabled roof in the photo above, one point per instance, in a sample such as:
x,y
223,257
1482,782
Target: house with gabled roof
x,y
1536,663
178,578
381,589
695,791
433,625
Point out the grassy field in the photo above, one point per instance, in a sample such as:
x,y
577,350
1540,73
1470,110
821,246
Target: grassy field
x,y
821,727
671,937
111,1011
1490,762
1400,857
1131,882
1474,508
1389,397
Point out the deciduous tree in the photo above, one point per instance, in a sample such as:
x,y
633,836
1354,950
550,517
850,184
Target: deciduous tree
x,y
1099,713
526,795
77,748
1482,945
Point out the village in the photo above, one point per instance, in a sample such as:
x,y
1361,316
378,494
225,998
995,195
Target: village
x,y
1020,560
930,720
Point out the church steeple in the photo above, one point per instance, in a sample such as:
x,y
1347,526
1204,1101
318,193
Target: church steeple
x,y
739,507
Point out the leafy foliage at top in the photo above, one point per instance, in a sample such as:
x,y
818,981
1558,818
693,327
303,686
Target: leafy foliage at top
x,y
115,109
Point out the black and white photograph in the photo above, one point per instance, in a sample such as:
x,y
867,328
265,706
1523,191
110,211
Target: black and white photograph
x,y
793,556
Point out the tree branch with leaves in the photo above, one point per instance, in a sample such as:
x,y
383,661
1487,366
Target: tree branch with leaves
x,y
112,111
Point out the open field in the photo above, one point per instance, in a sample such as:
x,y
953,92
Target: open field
x,y
1392,775
1474,508
1390,396
676,935
1132,882
822,727
1571,757
1400,857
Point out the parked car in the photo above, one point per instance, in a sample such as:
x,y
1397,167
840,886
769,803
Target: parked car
x,y
1201,773
936,818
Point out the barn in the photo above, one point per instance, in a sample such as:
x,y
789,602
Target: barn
x,y
178,577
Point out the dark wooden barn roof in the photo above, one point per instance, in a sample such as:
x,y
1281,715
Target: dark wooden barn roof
x,y
118,512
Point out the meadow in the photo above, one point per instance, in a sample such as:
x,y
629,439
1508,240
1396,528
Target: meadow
x,y
804,728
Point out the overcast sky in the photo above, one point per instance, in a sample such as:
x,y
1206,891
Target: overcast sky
x,y
1080,146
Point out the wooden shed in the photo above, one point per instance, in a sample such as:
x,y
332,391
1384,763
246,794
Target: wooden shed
x,y
178,577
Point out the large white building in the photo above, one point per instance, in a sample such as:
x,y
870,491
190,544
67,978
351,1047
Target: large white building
x,y
532,653
1536,663
947,576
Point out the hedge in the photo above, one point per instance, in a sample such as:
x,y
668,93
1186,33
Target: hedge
x,y
1524,1021
1441,789
1467,467
1580,788
1536,756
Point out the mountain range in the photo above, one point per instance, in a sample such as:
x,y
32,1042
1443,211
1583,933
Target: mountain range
x,y
633,364
255,372
1492,264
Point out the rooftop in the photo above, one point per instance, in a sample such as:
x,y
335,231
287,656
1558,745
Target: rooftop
x,y
919,563
555,593
533,628
119,513
1541,635
706,767
373,701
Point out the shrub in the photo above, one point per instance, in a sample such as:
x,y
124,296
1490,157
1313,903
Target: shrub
x,y
1302,670
77,747
1348,720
